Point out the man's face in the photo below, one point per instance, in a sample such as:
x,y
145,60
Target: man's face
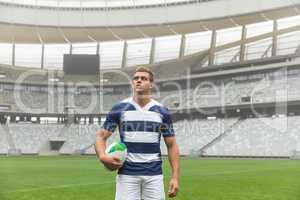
x,y
141,83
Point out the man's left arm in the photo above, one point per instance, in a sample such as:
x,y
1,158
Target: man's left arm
x,y
174,159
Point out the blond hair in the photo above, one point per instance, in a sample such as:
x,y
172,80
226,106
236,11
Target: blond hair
x,y
143,68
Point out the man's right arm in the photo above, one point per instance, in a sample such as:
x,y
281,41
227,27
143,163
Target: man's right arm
x,y
112,163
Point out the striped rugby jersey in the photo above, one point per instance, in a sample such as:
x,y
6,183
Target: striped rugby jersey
x,y
140,129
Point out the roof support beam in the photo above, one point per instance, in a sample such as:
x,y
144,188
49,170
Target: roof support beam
x,y
71,49
124,57
274,39
98,48
43,56
297,49
13,54
182,46
152,52
243,46
265,54
212,48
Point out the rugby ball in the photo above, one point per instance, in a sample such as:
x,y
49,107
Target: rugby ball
x,y
117,149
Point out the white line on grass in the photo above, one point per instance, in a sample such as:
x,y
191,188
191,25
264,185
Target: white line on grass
x,y
110,182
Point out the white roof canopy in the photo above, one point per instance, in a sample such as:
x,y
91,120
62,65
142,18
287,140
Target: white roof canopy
x,y
18,33
95,3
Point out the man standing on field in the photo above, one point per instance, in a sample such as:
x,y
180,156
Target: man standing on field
x,y
141,122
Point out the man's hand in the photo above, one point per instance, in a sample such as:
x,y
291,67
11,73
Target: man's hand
x,y
173,155
111,162
173,187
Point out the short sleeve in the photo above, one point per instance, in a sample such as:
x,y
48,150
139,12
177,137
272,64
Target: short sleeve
x,y
167,129
112,119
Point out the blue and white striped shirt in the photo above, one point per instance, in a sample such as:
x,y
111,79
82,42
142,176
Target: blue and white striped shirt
x,y
140,129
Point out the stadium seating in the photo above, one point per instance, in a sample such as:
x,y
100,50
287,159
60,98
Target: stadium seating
x,y
30,137
258,91
3,141
194,134
78,137
266,137
225,62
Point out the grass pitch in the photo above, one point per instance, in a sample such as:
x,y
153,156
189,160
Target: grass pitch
x,y
84,178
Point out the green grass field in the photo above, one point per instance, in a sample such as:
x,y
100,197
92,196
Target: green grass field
x,y
83,178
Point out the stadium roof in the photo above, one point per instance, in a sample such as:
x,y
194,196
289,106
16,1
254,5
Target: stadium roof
x,y
98,3
24,23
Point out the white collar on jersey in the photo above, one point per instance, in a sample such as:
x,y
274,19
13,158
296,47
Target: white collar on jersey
x,y
151,103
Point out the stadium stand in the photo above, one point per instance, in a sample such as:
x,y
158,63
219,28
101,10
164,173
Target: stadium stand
x,y
228,71
227,64
261,88
194,134
78,137
260,137
30,137
3,141
250,137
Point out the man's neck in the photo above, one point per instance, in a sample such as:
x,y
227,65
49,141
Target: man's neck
x,y
142,100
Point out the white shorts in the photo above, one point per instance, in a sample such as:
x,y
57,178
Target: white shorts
x,y
139,187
